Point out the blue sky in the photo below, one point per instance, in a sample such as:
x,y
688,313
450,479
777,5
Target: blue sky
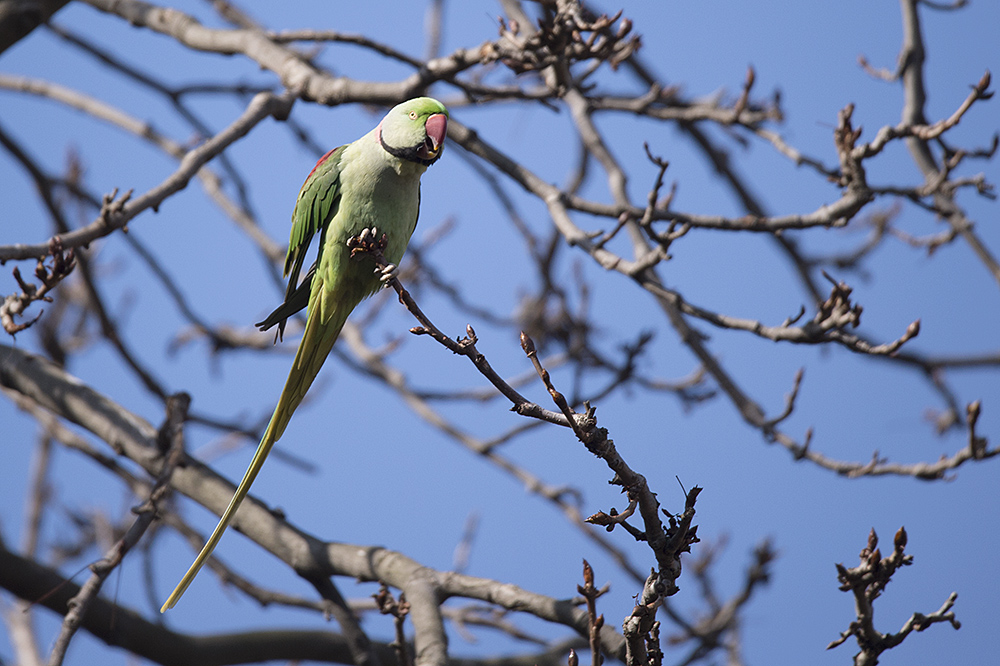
x,y
428,486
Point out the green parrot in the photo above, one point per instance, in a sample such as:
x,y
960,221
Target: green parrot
x,y
371,183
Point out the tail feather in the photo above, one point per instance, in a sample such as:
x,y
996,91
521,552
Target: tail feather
x,y
317,341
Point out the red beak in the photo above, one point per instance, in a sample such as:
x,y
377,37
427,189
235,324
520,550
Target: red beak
x,y
436,128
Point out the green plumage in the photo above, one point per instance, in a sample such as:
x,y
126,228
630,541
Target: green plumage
x,y
373,182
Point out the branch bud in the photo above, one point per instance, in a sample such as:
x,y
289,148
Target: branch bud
x,y
972,413
900,539
527,344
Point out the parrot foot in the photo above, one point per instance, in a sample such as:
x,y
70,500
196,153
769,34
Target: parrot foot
x,y
369,241
387,273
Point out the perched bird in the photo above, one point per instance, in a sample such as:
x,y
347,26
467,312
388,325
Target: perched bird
x,y
371,183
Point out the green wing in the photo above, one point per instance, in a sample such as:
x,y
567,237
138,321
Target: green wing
x,y
316,206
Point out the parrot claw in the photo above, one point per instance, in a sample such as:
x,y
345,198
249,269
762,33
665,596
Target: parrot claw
x,y
368,241
386,273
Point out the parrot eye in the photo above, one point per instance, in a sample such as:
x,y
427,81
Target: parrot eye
x,y
413,115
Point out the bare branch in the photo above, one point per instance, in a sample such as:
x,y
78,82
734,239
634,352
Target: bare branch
x,y
118,213
866,582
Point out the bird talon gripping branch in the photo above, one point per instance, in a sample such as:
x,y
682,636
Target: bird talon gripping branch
x,y
387,273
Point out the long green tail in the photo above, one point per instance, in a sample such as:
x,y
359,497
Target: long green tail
x,y
317,341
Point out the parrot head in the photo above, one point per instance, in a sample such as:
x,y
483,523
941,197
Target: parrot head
x,y
415,130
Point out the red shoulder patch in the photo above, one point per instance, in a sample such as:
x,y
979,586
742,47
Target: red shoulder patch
x,y
321,160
